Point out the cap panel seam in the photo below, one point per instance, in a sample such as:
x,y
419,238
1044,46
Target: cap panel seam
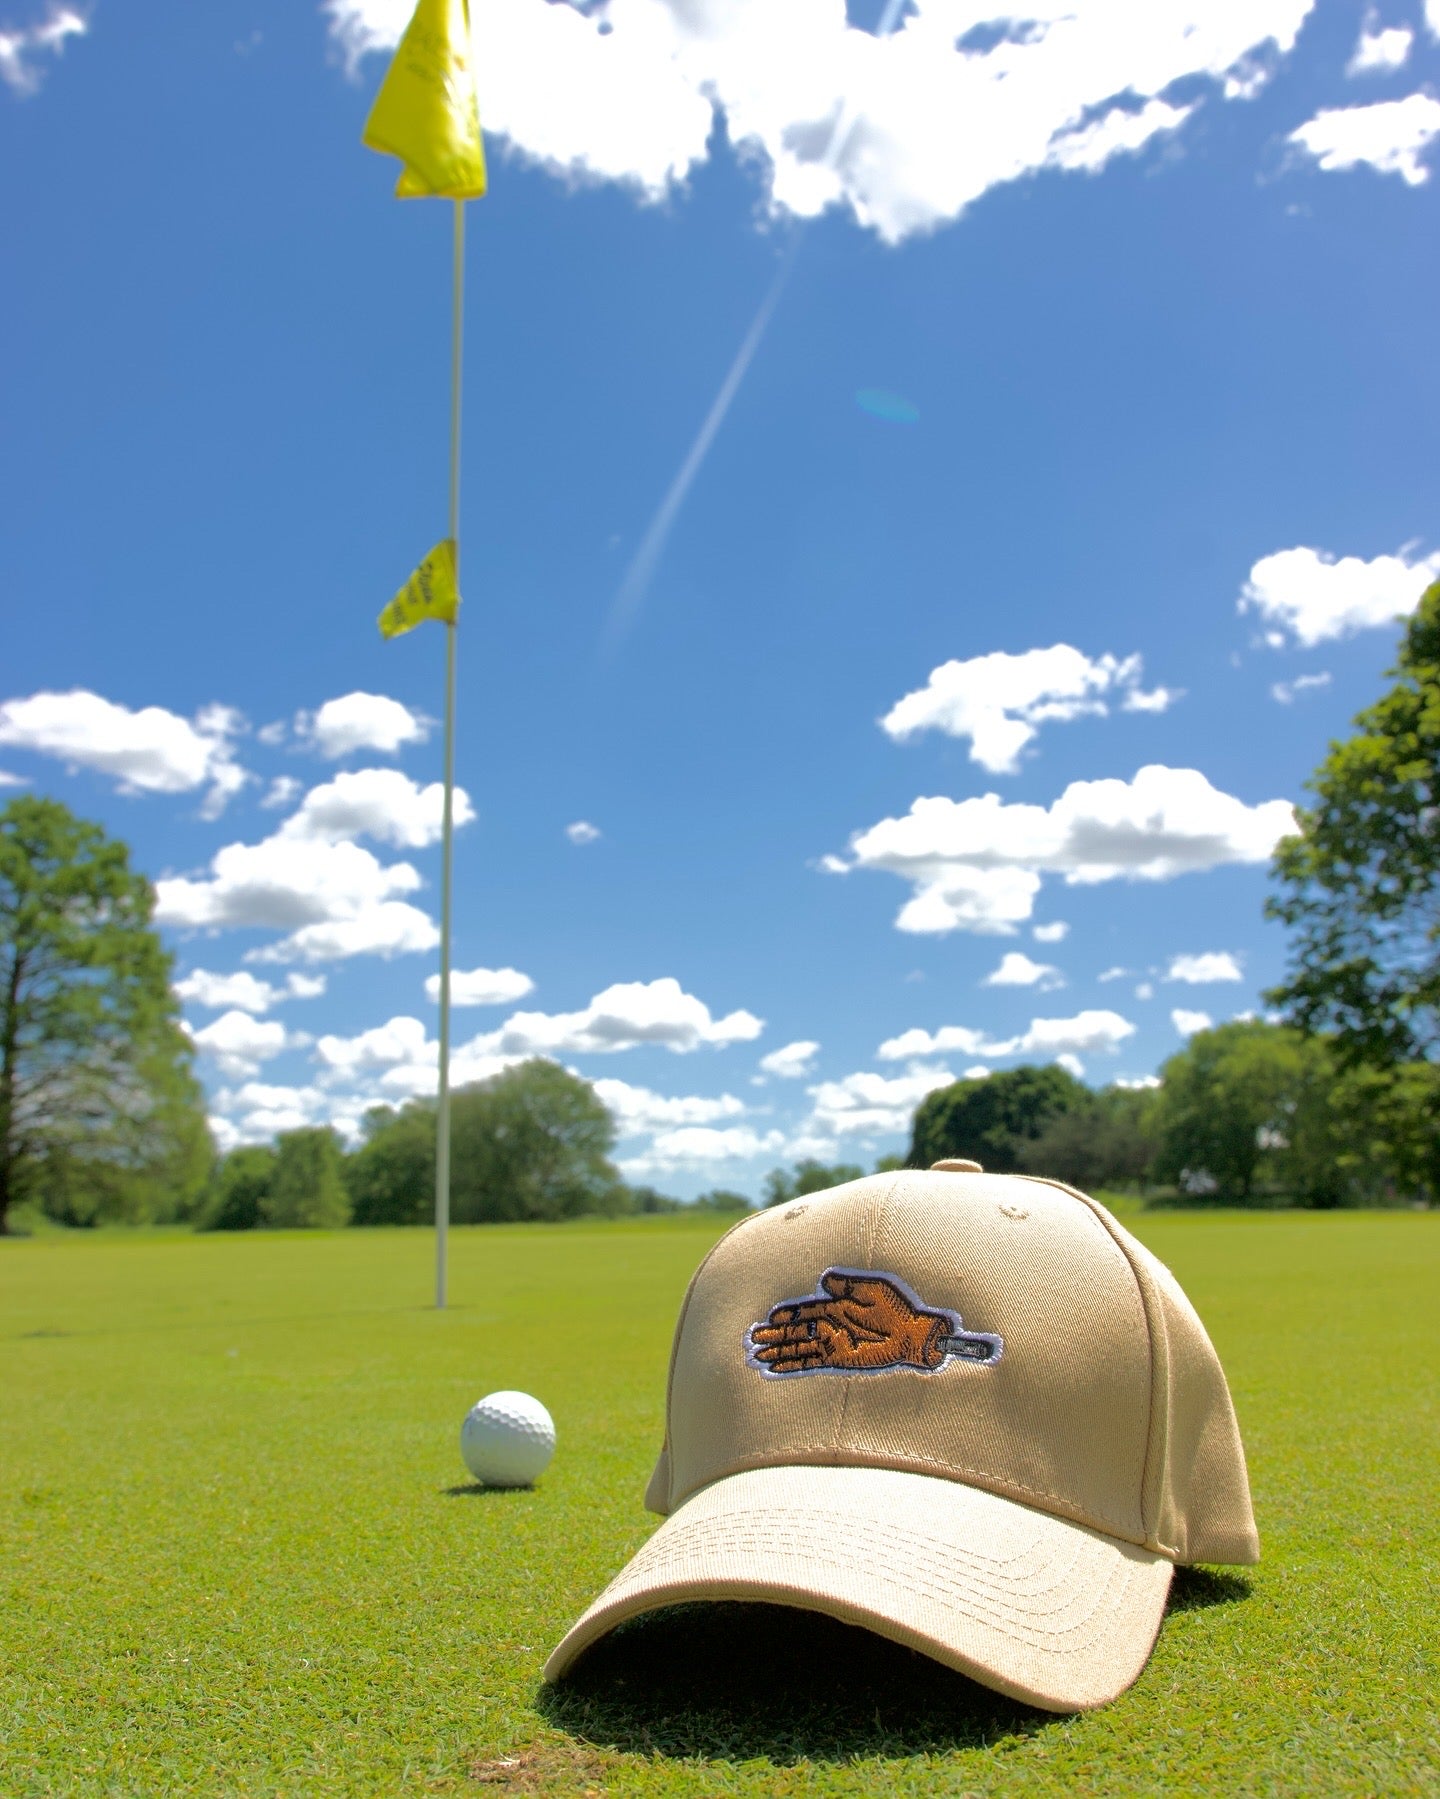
x,y
1157,1422
877,1214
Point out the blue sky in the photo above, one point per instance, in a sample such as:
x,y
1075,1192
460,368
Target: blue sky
x,y
1061,517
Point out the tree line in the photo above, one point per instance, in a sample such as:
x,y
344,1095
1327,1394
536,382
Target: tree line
x,y
1336,1103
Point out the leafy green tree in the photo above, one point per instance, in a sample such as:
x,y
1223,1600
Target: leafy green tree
x,y
1361,882
807,1176
722,1199
307,1190
391,1177
1108,1143
100,1113
241,1188
532,1142
649,1201
991,1118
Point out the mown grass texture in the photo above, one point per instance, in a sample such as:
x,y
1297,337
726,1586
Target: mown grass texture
x,y
241,1554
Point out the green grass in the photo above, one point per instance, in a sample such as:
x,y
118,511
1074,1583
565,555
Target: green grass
x,y
239,1556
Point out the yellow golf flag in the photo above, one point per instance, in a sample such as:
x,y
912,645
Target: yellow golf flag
x,y
425,112
429,593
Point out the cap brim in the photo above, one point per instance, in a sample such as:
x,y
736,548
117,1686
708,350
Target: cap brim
x,y
1042,1609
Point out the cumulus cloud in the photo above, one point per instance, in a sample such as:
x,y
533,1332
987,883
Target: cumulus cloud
x,y
700,1146
1379,50
243,991
481,986
1390,136
1017,970
791,1062
624,1016
9,780
1090,1032
867,1104
976,864
398,1040
1071,1064
1187,1022
23,49
582,831
149,751
335,900
380,803
1286,692
257,1111
1309,596
999,701
281,792
1213,965
1134,1083
637,1109
1051,933
361,721
238,1043
905,131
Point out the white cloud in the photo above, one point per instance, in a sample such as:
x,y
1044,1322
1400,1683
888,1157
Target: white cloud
x,y
1113,974
976,863
1212,965
623,1016
1017,970
833,865
1051,933
582,832
1071,1064
239,1043
282,883
868,1104
1187,1022
791,1062
1144,991
150,751
282,790
905,131
1432,18
1391,136
698,1146
389,929
481,986
243,991
1379,51
361,721
9,780
1310,596
1091,1032
21,47
1288,691
257,1111
1134,1083
380,803
399,1040
999,701
637,1109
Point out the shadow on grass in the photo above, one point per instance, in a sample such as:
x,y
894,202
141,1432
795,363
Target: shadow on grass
x,y
733,1682
1194,1588
474,1489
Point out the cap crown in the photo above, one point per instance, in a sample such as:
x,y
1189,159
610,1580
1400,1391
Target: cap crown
x,y
1106,1404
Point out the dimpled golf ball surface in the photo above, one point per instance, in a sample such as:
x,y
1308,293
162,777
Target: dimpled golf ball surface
x,y
507,1439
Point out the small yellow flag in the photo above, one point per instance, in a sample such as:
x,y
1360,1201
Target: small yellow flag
x,y
429,593
425,112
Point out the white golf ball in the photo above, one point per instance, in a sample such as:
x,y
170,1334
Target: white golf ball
x,y
507,1439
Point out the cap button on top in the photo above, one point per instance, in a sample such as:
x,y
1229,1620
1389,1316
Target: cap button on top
x,y
956,1165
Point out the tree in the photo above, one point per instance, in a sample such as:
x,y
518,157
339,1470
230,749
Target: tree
x,y
532,1142
241,1189
307,1190
808,1176
1361,882
722,1199
391,1177
1109,1143
991,1118
100,1113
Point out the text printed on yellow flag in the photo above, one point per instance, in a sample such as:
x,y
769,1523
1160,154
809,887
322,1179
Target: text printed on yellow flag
x,y
430,592
426,113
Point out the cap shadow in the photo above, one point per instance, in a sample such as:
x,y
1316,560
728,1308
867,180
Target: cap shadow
x,y
1194,1588
738,1681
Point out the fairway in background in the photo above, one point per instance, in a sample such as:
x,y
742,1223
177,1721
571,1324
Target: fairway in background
x,y
243,1555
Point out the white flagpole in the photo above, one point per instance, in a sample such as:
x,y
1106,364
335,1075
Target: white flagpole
x,y
442,1115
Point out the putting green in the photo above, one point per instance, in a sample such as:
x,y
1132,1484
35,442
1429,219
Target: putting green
x,y
240,1554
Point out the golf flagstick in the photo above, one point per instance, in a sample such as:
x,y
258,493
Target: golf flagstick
x,y
425,113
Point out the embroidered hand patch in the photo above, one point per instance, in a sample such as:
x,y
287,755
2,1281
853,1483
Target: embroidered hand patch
x,y
859,1321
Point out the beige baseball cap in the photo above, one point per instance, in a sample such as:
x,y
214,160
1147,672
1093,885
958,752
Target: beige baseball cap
x,y
967,1411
